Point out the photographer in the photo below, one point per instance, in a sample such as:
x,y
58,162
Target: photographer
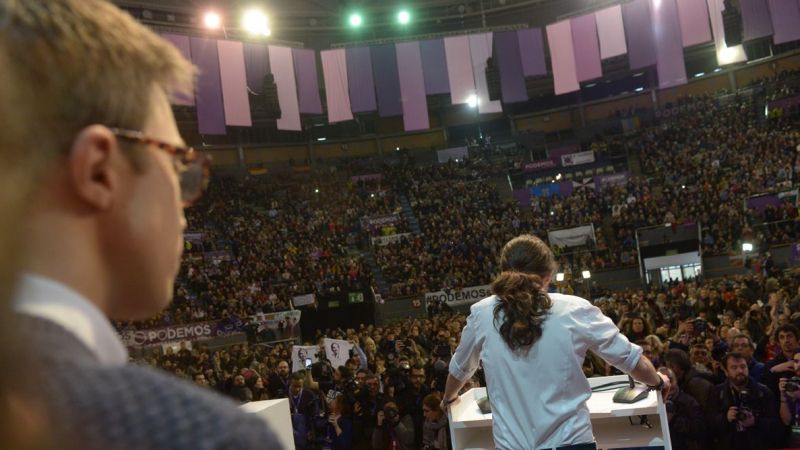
x,y
690,380
411,399
790,403
684,416
782,366
392,432
741,412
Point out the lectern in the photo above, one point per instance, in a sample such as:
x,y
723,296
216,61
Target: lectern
x,y
615,425
276,414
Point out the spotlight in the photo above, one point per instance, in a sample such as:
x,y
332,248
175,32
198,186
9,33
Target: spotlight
x,y
255,22
403,17
316,191
355,20
212,20
747,247
560,276
586,274
472,101
558,177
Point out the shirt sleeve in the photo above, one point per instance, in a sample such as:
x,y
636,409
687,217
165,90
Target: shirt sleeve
x,y
604,338
467,357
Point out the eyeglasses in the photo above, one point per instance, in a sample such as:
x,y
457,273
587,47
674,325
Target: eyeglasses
x,y
193,167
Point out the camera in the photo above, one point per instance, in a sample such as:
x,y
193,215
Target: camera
x,y
392,414
700,325
793,384
744,410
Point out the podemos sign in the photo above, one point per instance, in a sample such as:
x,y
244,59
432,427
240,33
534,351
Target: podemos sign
x,y
188,332
458,297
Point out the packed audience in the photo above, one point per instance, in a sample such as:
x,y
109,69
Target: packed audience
x,y
730,345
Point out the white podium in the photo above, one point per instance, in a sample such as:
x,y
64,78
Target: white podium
x,y
611,422
276,414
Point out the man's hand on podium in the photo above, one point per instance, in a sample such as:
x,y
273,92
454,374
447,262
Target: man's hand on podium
x,y
446,404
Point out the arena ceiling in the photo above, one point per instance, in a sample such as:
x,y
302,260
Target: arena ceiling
x,y
322,23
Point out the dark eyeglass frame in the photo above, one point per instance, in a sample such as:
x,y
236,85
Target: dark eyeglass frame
x,y
189,157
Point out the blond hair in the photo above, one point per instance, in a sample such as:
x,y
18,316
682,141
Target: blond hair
x,y
90,63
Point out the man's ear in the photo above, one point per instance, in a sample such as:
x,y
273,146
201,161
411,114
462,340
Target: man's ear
x,y
92,165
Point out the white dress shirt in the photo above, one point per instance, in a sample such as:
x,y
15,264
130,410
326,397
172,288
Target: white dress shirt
x,y
539,397
48,299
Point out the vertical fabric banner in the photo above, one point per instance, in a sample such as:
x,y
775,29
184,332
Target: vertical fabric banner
x,y
359,79
611,32
256,63
785,20
181,42
387,81
459,69
234,84
531,50
412,87
434,67
755,19
693,15
282,66
562,57
305,70
208,95
334,72
725,55
639,34
669,46
480,48
586,47
509,62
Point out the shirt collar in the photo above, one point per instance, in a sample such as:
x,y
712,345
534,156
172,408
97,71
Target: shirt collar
x,y
48,299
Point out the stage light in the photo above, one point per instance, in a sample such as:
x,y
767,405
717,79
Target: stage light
x,y
403,17
558,177
472,101
747,247
316,191
321,139
586,274
212,20
560,276
255,22
355,20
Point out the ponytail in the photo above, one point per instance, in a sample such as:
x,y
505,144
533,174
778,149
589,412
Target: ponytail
x,y
522,308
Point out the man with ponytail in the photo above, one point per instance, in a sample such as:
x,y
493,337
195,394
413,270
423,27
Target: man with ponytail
x,y
532,345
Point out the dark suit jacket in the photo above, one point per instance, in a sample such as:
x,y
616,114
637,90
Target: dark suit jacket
x,y
130,407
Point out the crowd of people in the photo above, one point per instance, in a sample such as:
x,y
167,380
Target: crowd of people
x,y
730,345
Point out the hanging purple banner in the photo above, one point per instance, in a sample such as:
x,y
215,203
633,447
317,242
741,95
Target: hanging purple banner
x,y
755,19
531,50
785,20
208,96
387,81
412,87
586,46
669,46
359,80
512,81
305,71
181,42
434,66
256,64
639,34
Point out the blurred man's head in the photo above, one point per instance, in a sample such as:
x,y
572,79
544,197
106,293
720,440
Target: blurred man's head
x,y
744,345
283,369
108,218
735,367
787,337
